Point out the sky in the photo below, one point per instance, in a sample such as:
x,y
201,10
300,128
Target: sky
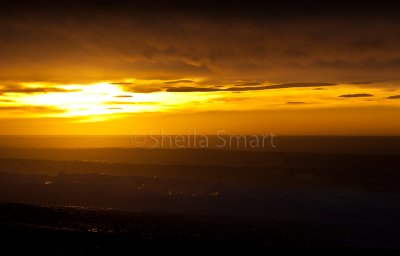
x,y
118,67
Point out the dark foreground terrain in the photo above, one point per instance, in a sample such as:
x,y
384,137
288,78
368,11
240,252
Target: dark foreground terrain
x,y
78,231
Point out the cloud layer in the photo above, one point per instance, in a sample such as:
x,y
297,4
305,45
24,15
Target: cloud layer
x,y
82,43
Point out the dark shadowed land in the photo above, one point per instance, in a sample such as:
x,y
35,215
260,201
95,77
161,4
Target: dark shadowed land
x,y
77,231
125,200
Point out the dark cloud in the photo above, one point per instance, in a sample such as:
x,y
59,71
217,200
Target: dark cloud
x,y
393,97
179,81
193,89
114,108
249,83
296,85
123,96
356,95
111,41
239,89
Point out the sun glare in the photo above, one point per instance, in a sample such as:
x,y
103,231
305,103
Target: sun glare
x,y
89,100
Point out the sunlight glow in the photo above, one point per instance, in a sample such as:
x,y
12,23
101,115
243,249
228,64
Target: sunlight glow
x,y
106,100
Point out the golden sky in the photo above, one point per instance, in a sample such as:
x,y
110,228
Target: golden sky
x,y
87,69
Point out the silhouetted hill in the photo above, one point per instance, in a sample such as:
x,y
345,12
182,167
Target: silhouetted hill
x,y
52,230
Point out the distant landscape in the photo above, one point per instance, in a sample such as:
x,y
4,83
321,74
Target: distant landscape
x,y
346,200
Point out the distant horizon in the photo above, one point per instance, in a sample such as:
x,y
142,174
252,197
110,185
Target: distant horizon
x,y
317,144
